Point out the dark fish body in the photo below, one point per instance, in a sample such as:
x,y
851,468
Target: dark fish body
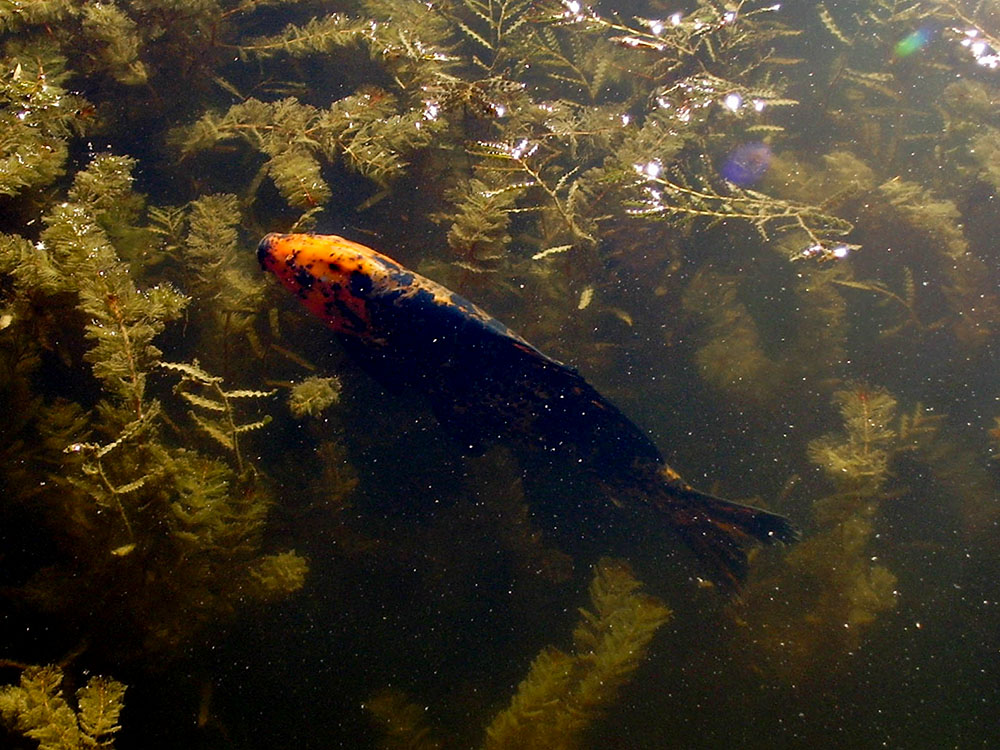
x,y
487,384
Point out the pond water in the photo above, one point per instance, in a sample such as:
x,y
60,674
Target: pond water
x,y
761,236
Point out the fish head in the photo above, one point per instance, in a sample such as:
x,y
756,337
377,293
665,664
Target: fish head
x,y
333,277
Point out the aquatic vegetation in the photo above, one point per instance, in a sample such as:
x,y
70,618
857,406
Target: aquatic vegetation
x,y
37,117
115,40
966,278
732,358
363,130
403,724
858,459
74,256
737,202
38,709
313,396
338,478
126,500
563,693
545,156
833,586
369,131
109,35
480,224
204,234
215,406
817,610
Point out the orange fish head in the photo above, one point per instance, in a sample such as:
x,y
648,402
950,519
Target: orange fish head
x,y
301,259
330,275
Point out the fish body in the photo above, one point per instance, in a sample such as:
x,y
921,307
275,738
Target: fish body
x,y
486,384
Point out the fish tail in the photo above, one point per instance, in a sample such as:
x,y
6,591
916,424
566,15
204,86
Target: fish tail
x,y
721,533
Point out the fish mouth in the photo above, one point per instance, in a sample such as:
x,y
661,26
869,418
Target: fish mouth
x,y
265,256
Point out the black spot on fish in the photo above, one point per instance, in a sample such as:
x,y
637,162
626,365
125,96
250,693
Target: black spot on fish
x,y
304,278
360,284
356,323
425,299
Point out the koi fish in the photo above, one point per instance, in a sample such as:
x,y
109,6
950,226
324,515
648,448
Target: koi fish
x,y
486,384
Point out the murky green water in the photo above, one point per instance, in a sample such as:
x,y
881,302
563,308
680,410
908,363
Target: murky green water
x,y
766,233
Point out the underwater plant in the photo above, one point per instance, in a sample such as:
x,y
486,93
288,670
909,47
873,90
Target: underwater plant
x,y
721,208
126,501
37,117
37,708
216,406
313,396
857,460
204,235
402,723
563,693
818,603
731,358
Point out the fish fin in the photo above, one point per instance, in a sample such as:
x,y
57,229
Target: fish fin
x,y
721,533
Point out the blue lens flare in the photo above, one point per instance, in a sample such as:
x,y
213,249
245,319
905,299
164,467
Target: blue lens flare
x,y
913,42
746,164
